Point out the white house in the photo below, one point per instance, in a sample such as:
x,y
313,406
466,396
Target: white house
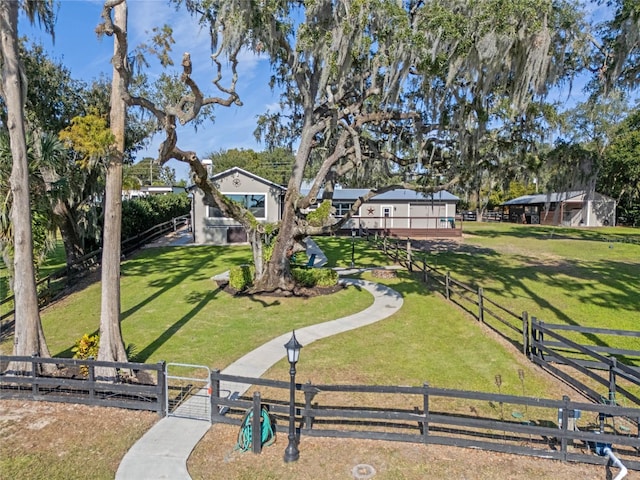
x,y
399,212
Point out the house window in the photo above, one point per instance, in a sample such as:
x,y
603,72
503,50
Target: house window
x,y
254,203
342,208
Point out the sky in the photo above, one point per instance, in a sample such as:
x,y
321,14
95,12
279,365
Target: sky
x,y
87,57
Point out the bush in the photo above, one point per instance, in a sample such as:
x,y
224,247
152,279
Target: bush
x,y
141,214
320,215
86,347
315,277
241,277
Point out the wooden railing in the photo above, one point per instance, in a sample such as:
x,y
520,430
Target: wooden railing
x,y
56,281
137,386
548,347
517,328
558,429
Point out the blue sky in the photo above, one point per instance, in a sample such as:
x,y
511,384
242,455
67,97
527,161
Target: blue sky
x,y
79,49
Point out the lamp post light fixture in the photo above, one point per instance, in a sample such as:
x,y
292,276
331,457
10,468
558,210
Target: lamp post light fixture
x,y
291,454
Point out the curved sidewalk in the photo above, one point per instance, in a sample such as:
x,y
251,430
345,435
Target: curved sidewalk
x,y
163,451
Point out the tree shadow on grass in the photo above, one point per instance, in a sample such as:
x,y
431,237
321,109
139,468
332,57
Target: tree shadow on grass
x,y
165,336
601,283
175,265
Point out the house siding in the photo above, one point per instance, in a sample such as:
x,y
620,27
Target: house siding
x,y
223,231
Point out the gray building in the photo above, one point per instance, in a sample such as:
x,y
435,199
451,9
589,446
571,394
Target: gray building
x,y
570,209
400,212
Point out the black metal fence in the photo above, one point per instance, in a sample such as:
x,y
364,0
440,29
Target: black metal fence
x,y
558,429
136,386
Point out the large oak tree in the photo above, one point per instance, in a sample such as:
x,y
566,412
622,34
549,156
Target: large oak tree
x,y
393,94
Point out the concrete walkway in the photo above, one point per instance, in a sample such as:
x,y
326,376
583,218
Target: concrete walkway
x,y
163,451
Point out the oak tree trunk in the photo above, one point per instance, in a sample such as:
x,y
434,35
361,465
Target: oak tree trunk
x,y
276,274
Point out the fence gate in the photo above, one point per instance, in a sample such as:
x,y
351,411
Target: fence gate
x,y
188,391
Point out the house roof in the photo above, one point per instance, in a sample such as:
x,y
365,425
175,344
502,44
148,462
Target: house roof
x,y
576,196
401,194
352,194
258,178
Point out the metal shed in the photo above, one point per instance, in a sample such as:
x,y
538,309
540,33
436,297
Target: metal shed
x,y
570,209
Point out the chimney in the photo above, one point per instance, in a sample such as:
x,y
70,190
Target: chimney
x,y
208,164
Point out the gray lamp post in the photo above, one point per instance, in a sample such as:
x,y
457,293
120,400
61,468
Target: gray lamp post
x,y
353,247
291,454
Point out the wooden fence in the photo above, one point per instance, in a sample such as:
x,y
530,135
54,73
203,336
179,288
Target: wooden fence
x,y
517,329
137,386
56,282
558,429
622,381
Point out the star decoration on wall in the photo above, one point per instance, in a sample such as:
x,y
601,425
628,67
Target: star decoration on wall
x,y
370,211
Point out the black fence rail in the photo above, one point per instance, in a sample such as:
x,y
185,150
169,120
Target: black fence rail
x,y
558,429
517,329
136,386
622,381
513,326
51,285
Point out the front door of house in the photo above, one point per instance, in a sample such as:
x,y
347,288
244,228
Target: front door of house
x,y
387,220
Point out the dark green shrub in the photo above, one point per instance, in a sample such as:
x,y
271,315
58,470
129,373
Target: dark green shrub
x,y
241,277
315,277
141,214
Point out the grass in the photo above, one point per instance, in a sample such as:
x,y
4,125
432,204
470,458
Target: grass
x,y
50,441
426,341
561,276
172,310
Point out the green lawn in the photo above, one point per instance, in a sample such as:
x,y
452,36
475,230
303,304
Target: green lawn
x,y
173,311
558,275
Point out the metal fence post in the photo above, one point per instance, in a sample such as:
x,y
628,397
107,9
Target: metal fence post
x,y
480,305
163,394
525,334
425,422
409,264
256,428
